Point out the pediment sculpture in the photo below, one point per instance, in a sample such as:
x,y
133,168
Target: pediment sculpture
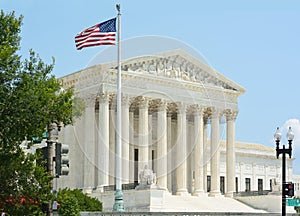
x,y
175,67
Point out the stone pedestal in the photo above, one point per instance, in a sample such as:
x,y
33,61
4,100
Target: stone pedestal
x,y
135,200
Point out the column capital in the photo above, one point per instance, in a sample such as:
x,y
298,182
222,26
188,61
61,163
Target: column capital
x,y
143,102
103,97
125,100
231,115
181,107
113,101
161,105
197,110
215,113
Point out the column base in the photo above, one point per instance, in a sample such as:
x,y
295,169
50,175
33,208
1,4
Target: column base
x,y
229,194
87,190
199,193
182,192
100,189
214,194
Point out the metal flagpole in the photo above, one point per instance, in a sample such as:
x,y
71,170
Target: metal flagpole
x,y
119,203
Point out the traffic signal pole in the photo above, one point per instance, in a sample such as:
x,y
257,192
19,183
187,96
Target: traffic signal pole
x,y
52,137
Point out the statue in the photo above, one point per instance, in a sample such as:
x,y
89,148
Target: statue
x,y
147,178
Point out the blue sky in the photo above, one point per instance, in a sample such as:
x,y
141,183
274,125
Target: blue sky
x,y
254,43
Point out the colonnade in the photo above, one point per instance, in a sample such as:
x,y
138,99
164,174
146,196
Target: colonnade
x,y
155,134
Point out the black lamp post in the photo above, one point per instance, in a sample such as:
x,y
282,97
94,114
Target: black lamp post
x,y
283,151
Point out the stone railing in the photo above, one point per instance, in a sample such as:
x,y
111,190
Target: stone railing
x,y
130,186
251,193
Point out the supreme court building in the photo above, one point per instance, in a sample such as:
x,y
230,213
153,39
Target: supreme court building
x,y
178,120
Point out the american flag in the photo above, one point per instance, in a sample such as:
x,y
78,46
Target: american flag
x,y
101,34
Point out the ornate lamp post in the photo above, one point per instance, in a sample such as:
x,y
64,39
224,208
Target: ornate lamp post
x,y
283,151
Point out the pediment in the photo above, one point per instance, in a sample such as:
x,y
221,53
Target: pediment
x,y
180,65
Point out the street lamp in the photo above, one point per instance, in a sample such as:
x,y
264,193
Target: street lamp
x,y
283,151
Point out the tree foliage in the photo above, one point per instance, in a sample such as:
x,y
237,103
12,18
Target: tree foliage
x,y
80,202
30,99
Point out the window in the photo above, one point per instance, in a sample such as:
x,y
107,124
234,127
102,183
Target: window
x,y
136,169
208,183
248,184
153,165
222,184
271,188
260,186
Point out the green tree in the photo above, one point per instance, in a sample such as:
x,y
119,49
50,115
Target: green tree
x,y
81,202
30,99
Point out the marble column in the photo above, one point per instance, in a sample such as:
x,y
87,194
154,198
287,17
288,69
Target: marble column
x,y
215,153
254,184
169,150
162,145
190,154
143,135
181,157
131,146
89,145
266,182
242,185
103,142
205,152
125,139
230,153
112,143
198,151
151,147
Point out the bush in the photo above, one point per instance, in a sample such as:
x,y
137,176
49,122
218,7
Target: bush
x,y
74,201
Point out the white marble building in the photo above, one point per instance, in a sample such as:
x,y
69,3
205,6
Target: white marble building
x,y
174,109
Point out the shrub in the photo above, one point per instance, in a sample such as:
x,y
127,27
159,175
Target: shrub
x,y
74,201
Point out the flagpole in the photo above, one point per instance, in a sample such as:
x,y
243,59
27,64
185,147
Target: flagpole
x,y
119,203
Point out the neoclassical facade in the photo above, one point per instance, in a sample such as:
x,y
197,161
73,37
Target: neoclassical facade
x,y
175,111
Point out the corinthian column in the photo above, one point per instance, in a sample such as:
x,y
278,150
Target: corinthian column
x,y
143,134
206,156
131,146
125,139
103,141
89,146
169,150
230,152
215,153
198,151
112,142
181,172
162,144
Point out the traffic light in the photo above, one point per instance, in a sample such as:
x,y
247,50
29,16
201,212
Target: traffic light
x,y
288,188
61,159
